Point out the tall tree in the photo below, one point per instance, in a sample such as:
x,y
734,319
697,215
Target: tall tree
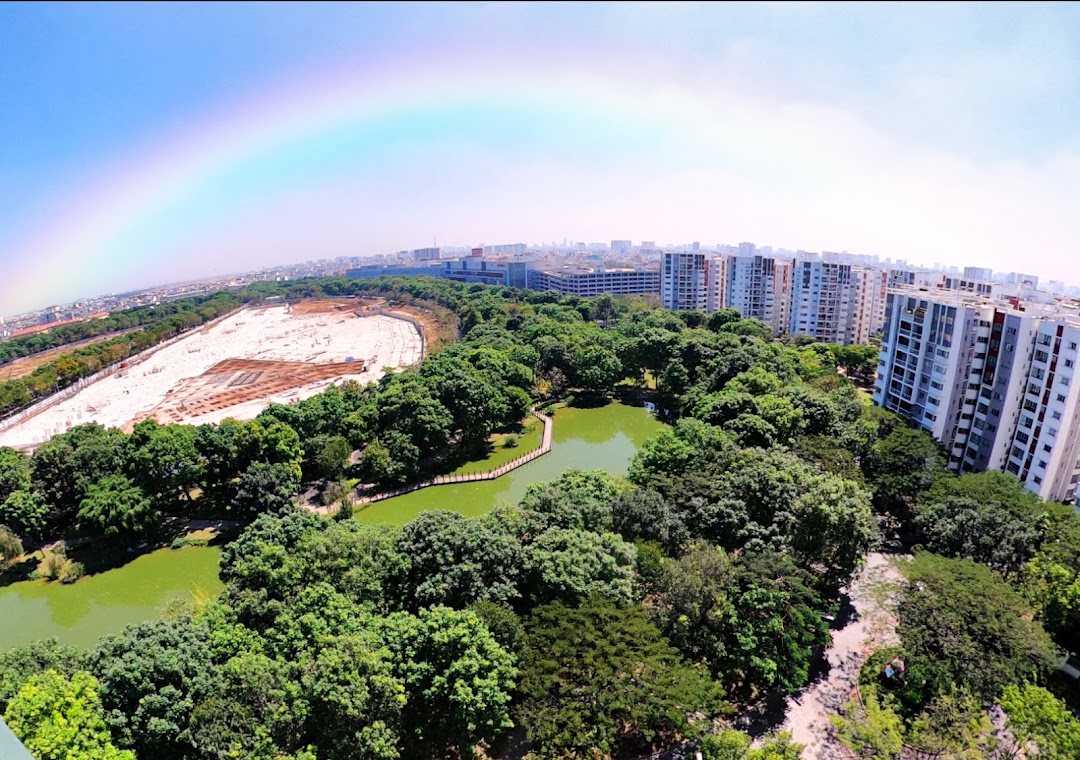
x,y
457,680
118,507
970,626
449,559
14,472
151,677
601,679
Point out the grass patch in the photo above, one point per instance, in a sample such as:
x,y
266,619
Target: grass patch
x,y
528,438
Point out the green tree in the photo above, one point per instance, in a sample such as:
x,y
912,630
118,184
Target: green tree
x,y
903,465
457,678
14,472
67,465
870,729
391,459
18,664
730,744
57,718
1035,716
754,622
151,677
643,514
953,725
10,546
163,459
118,507
971,626
985,532
600,681
26,513
718,319
407,405
571,564
599,368
449,559
576,499
333,458
265,487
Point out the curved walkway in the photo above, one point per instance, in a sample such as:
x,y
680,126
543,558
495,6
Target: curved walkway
x,y
442,480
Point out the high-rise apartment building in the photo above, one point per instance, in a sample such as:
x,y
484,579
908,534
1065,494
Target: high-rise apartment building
x,y
993,381
978,273
621,246
837,303
759,287
684,281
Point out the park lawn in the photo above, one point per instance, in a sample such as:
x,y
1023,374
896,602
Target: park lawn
x,y
530,437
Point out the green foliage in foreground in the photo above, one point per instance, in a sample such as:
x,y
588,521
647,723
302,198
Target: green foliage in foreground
x,y
57,718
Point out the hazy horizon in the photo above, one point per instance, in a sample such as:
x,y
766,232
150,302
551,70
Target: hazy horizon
x,y
164,142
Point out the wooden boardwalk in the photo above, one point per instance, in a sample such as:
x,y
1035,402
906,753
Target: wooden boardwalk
x,y
442,480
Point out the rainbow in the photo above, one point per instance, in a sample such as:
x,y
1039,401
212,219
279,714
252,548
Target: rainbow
x,y
199,173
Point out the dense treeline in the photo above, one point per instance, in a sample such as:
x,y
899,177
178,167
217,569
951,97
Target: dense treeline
x,y
62,335
608,617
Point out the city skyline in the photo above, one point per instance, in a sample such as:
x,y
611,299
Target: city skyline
x,y
926,133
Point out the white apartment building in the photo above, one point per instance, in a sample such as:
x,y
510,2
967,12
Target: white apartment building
x,y
684,281
758,286
837,303
994,382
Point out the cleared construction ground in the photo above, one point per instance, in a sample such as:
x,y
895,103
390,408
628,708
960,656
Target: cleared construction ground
x,y
237,367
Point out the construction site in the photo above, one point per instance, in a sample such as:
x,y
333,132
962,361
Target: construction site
x,y
235,368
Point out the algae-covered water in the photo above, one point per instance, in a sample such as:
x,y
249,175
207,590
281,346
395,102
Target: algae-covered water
x,y
101,604
600,438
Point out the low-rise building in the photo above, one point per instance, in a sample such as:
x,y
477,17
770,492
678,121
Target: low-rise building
x,y
593,282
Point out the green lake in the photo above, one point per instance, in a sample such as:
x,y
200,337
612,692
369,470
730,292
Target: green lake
x,y
601,438
100,604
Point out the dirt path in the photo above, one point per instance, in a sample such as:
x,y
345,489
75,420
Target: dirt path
x,y
870,627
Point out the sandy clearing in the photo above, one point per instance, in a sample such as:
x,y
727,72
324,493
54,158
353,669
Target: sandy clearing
x,y
270,334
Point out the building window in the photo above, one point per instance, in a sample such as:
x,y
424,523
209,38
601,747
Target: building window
x,y
1061,398
1056,415
1037,480
1026,421
1047,448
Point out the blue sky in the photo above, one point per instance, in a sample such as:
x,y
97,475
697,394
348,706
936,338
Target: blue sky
x,y
155,142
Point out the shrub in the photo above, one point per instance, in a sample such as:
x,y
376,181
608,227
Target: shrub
x,y
72,571
52,567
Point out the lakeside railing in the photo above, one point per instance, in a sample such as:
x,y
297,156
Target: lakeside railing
x,y
498,472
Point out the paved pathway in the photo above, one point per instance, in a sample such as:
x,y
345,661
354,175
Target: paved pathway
x,y
871,626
